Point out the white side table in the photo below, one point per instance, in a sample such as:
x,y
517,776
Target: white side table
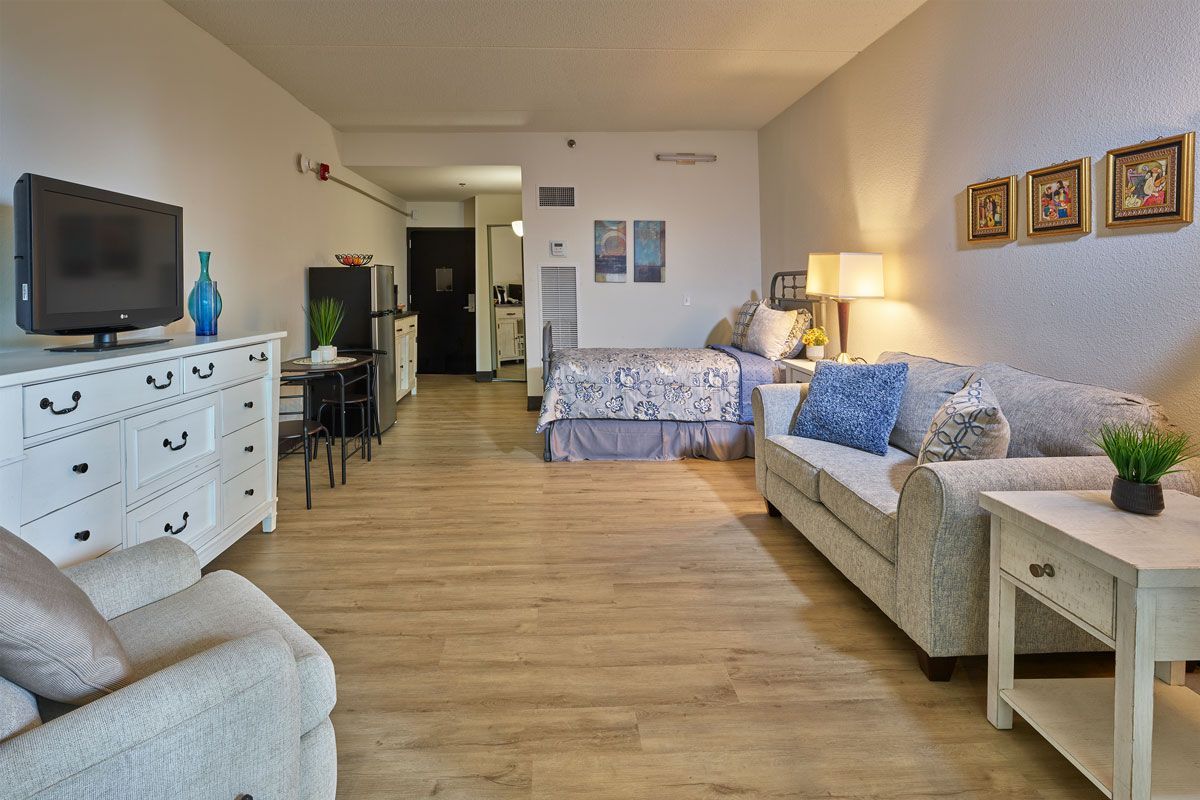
x,y
798,370
1133,582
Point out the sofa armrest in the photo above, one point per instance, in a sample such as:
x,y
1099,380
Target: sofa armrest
x,y
775,406
223,723
943,548
137,576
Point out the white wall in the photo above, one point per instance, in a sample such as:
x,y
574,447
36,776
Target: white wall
x,y
131,96
711,213
877,158
438,214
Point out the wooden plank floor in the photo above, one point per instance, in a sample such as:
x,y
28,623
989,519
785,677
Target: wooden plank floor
x,y
505,628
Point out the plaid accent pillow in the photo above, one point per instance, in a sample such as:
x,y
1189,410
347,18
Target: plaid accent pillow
x,y
741,324
804,321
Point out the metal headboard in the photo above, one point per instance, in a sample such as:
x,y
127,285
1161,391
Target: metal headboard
x,y
789,291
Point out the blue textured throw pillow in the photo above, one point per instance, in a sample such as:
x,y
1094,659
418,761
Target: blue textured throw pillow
x,y
855,405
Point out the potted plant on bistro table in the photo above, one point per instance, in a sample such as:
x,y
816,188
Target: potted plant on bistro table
x,y
325,315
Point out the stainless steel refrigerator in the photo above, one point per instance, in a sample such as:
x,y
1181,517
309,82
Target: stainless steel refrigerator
x,y
370,299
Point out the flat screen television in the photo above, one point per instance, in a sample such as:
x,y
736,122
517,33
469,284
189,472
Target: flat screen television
x,y
94,261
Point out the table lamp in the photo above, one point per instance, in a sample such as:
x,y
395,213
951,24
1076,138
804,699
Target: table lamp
x,y
845,277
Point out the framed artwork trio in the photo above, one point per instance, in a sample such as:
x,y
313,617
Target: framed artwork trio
x,y
1150,183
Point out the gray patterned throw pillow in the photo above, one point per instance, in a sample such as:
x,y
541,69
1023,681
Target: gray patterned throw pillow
x,y
742,324
969,426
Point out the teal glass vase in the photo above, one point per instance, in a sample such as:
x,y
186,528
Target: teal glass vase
x,y
204,301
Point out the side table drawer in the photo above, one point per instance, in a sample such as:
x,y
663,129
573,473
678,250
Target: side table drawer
x,y
1073,584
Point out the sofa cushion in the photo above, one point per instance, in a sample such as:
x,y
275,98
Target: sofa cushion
x,y
798,460
18,710
53,641
853,404
221,607
1049,417
968,427
864,492
930,384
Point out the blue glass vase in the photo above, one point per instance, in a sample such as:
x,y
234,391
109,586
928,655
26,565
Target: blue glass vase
x,y
204,301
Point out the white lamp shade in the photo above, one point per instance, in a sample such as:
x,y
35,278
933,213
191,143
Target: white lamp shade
x,y
846,276
518,227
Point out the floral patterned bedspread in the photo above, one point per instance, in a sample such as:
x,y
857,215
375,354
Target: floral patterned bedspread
x,y
670,384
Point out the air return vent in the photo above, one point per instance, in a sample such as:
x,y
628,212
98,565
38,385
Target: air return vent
x,y
556,197
559,306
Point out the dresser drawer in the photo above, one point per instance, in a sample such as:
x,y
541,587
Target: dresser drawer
x,y
244,492
242,405
190,513
58,473
1075,585
224,366
69,401
243,449
80,531
163,445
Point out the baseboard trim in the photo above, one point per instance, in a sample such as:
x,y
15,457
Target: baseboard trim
x,y
534,403
485,376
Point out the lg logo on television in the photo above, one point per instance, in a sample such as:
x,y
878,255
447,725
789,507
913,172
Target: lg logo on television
x,y
124,316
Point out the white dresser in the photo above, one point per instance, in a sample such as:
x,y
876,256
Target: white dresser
x,y
406,355
101,451
510,332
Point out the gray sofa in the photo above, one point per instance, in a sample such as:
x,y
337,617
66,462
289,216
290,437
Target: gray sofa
x,y
914,539
232,698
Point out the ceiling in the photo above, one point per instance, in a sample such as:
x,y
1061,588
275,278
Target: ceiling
x,y
442,183
547,65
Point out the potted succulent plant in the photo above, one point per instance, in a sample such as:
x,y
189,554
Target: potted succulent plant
x,y
1142,454
814,340
325,315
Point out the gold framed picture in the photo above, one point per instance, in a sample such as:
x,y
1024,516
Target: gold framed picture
x,y
990,207
1058,199
1152,183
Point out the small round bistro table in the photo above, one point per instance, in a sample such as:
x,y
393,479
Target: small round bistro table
x,y
341,369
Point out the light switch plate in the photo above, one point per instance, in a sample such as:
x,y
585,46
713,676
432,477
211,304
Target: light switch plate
x,y
558,248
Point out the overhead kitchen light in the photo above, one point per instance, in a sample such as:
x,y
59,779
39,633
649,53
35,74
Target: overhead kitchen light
x,y
518,227
686,158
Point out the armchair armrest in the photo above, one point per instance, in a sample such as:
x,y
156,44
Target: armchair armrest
x,y
137,576
944,540
223,723
775,406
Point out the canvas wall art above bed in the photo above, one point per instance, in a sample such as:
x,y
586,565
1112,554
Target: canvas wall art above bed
x,y
666,403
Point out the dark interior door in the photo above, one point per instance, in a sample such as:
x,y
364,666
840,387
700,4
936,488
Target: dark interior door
x,y
441,280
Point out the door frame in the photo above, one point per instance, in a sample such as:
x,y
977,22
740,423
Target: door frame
x,y
492,305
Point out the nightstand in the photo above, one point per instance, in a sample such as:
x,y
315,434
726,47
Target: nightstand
x,y
1132,582
798,370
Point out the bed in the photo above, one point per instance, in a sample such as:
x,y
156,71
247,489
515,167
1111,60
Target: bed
x,y
657,404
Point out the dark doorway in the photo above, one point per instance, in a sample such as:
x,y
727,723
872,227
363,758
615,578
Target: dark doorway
x,y
441,280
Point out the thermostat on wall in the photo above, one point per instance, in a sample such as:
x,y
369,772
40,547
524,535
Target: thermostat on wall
x,y
558,248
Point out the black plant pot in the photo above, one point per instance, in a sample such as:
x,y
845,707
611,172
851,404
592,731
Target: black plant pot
x,y
1139,498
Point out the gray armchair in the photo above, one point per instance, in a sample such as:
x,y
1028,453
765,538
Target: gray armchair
x,y
231,699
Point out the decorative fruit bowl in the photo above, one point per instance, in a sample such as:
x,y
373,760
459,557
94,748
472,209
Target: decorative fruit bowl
x,y
353,259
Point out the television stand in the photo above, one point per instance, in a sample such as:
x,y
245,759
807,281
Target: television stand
x,y
105,341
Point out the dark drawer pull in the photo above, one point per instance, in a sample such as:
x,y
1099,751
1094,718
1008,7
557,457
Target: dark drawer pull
x,y
260,357
150,381
167,443
83,536
80,469
249,448
47,403
1041,570
249,493
204,376
168,528
248,404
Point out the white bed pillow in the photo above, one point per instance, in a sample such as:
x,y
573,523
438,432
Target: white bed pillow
x,y
770,331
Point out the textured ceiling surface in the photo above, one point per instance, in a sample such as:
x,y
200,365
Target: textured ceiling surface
x,y
547,65
443,183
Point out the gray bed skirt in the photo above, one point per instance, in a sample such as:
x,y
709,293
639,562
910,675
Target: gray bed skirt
x,y
662,440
